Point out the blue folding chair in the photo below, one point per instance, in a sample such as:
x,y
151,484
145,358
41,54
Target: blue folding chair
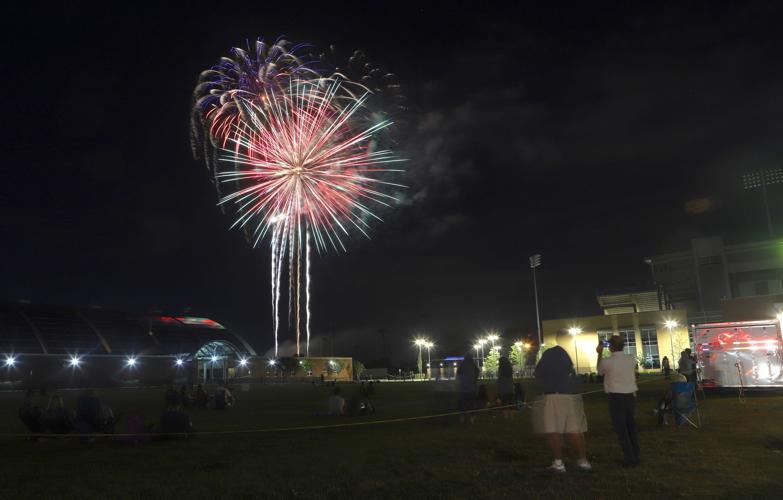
x,y
685,405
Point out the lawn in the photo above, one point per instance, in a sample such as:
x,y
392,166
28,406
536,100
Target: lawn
x,y
732,455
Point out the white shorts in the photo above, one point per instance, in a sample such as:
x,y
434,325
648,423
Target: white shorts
x,y
559,414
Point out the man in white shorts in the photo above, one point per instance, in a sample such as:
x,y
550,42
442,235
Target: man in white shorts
x,y
559,411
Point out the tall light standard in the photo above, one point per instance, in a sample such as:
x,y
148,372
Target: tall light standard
x,y
493,337
476,347
574,331
429,345
481,343
419,343
535,261
670,324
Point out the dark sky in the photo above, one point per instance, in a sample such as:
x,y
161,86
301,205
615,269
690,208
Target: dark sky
x,y
577,132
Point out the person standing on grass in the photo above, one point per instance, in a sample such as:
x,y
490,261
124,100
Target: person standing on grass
x,y
467,377
505,385
619,371
560,410
666,367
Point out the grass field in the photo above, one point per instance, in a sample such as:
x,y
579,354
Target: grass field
x,y
731,456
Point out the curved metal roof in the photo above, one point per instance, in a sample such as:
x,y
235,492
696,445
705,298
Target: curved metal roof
x,y
39,329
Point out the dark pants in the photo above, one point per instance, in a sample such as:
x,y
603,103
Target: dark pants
x,y
622,408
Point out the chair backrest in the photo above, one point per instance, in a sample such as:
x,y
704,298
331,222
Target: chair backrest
x,y
683,396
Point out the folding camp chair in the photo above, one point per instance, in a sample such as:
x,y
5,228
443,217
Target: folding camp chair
x,y
684,404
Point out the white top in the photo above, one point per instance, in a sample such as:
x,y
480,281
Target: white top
x,y
619,371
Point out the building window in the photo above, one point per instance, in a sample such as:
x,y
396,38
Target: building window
x,y
629,339
650,347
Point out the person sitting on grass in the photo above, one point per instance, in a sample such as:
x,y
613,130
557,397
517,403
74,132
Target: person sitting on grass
x,y
92,415
201,398
223,397
519,396
176,423
359,405
172,396
482,398
31,414
336,403
57,418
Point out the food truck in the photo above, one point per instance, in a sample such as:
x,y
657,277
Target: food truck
x,y
739,354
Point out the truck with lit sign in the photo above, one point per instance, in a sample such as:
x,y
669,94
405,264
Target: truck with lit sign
x,y
739,354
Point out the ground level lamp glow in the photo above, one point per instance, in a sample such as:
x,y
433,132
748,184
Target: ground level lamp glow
x,y
670,324
574,331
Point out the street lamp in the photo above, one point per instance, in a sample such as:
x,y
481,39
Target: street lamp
x,y
671,324
574,331
481,343
429,345
419,343
476,347
493,337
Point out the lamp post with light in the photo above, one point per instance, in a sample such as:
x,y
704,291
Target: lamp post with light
x,y
481,343
419,343
670,324
574,331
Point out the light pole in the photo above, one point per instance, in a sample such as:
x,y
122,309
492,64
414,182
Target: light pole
x,y
476,347
535,261
574,331
429,345
493,337
481,343
419,343
671,324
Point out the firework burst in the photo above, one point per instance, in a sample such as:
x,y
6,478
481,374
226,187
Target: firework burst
x,y
299,157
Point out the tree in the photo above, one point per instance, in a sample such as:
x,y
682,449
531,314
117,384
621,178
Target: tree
x,y
358,368
306,365
517,357
491,362
288,365
334,366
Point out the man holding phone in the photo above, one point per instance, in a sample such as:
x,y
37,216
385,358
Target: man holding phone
x,y
619,371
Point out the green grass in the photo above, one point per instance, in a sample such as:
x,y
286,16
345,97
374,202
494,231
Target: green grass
x,y
438,458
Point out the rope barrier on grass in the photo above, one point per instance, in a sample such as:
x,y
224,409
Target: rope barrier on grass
x,y
284,429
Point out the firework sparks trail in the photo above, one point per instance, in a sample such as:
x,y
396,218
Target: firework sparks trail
x,y
302,159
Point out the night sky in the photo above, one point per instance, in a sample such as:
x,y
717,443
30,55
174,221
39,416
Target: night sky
x,y
593,135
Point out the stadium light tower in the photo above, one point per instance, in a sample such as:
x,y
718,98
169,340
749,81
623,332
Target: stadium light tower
x,y
761,179
535,261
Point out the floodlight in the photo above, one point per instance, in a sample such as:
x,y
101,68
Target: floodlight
x,y
272,362
74,362
179,362
492,337
10,361
243,362
420,342
214,359
574,330
670,323
131,361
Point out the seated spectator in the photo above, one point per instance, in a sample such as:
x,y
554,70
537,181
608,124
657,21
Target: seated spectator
x,y
185,398
31,414
336,403
172,397
482,400
223,397
92,416
200,398
57,418
176,423
359,405
519,396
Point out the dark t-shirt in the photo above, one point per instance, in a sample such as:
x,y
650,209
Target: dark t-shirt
x,y
554,371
